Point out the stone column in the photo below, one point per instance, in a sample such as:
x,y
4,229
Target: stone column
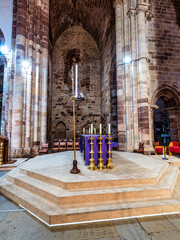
x,y
45,39
133,77
127,78
5,100
44,95
29,77
143,86
118,4
36,124
18,86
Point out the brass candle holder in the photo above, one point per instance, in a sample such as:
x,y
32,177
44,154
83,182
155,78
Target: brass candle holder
x,y
100,160
92,166
109,160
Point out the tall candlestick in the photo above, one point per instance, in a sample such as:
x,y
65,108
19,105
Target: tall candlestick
x,y
100,129
109,128
72,77
91,128
94,130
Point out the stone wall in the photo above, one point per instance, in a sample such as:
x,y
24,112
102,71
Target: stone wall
x,y
72,44
109,84
164,54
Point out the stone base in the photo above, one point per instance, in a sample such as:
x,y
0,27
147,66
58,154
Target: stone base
x,y
139,185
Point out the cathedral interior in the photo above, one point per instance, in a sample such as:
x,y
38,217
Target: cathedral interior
x,y
126,54
105,75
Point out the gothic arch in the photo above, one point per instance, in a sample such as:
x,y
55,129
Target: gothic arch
x,y
166,90
60,130
88,122
167,98
59,120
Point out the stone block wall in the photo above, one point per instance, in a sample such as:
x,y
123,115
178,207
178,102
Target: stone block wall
x,y
163,36
108,84
75,43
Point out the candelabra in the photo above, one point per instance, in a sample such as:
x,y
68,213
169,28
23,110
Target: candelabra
x,y
109,160
92,166
100,163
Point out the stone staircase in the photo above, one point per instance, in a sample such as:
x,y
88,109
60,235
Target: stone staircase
x,y
58,201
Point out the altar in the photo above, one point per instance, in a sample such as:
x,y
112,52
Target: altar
x,y
85,148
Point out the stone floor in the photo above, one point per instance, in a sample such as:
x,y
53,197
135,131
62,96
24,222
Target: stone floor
x,y
16,224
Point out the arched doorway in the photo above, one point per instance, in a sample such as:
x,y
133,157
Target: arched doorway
x,y
166,117
60,130
161,121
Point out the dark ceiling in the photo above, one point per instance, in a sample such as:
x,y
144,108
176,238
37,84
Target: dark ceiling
x,y
96,16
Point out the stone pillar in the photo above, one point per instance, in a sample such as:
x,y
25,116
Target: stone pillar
x,y
127,78
18,86
45,39
119,10
5,100
133,78
36,98
44,96
29,95
143,86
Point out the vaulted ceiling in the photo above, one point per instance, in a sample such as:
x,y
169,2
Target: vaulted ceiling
x,y
96,16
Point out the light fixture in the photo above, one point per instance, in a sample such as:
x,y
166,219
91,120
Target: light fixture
x,y
127,59
4,50
25,64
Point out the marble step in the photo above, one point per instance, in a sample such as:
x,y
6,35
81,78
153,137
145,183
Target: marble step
x,y
105,183
66,198
53,215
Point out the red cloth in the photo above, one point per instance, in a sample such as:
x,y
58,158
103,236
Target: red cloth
x,y
175,143
175,149
179,136
159,150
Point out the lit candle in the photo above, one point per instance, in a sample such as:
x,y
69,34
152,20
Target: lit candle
x,y
83,130
109,128
95,130
91,128
100,129
72,77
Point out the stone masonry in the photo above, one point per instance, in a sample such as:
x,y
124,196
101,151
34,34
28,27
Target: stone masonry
x,y
75,43
99,35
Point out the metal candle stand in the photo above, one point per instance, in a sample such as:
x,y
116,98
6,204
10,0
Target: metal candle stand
x,y
75,169
92,166
109,160
100,160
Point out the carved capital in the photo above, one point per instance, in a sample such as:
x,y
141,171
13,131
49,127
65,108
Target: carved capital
x,y
131,13
154,107
149,16
117,2
142,8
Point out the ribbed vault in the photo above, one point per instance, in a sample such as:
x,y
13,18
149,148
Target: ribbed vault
x,y
96,16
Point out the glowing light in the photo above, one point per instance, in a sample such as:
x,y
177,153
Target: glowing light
x,y
127,59
4,50
25,64
76,80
